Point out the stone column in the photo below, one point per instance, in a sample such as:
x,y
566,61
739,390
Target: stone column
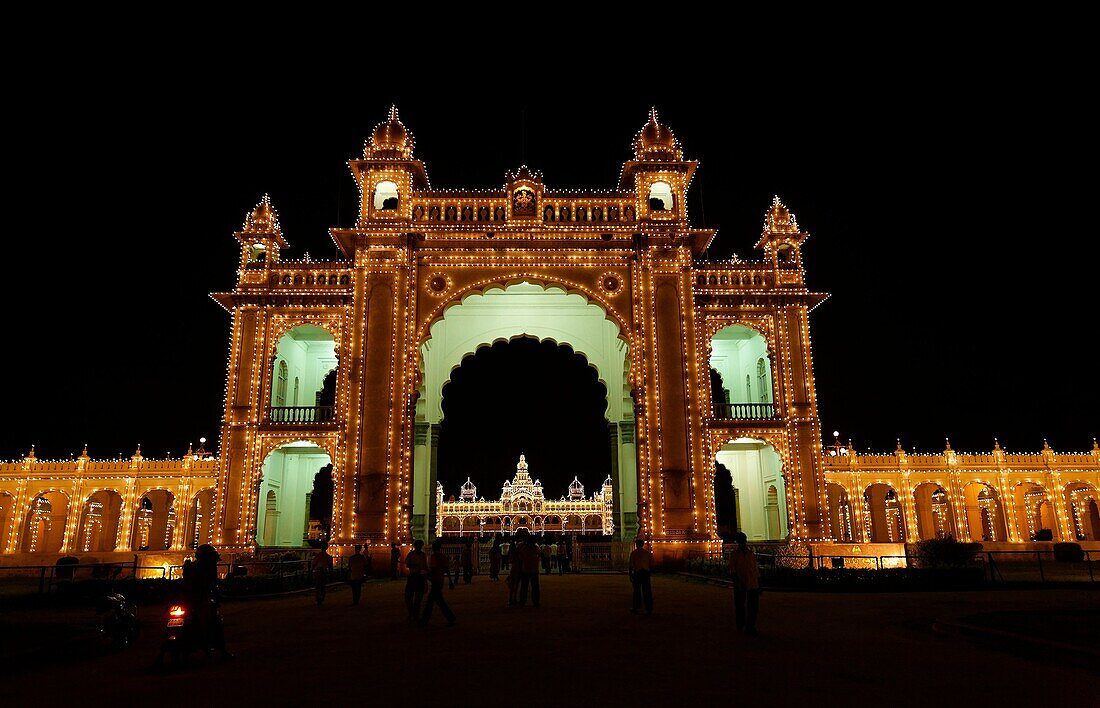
x,y
433,478
423,494
628,480
616,482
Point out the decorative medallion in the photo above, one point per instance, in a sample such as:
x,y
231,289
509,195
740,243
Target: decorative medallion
x,y
611,283
438,283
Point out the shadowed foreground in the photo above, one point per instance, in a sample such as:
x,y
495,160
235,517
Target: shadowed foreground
x,y
583,647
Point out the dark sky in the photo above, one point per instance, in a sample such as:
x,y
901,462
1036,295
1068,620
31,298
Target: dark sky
x,y
950,208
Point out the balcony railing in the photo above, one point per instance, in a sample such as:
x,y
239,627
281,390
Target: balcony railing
x,y
298,415
744,411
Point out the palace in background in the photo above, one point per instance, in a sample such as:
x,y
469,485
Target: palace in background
x,y
522,505
336,371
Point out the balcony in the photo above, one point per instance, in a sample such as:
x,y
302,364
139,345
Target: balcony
x,y
744,411
301,415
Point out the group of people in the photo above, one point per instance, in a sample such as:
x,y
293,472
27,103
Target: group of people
x,y
523,558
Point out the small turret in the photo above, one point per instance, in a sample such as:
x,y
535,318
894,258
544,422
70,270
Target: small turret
x,y
261,236
781,238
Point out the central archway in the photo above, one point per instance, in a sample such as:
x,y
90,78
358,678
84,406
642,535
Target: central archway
x,y
525,311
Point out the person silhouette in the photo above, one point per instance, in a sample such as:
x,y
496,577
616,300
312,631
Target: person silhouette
x,y
641,565
746,584
439,569
357,572
417,565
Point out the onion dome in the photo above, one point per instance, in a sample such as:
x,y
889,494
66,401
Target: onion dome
x,y
656,142
390,139
263,219
469,491
576,489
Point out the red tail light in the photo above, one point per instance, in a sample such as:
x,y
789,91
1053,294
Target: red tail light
x,y
176,611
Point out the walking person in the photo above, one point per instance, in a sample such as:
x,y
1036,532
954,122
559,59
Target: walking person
x,y
746,584
529,557
563,556
506,555
395,558
439,569
466,556
417,565
357,573
322,569
641,565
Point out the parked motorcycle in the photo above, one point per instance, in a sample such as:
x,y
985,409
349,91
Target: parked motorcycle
x,y
186,632
120,626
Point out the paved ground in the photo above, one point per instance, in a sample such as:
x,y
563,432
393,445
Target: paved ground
x,y
583,647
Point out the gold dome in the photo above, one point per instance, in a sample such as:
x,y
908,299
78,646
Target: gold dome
x,y
656,141
390,139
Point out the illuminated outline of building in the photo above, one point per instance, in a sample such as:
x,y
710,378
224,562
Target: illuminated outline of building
x,y
342,363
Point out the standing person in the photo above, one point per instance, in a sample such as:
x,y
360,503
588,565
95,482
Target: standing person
x,y
546,553
506,555
515,572
529,557
466,555
322,568
495,558
563,556
395,558
357,572
746,584
475,552
417,564
439,569
641,564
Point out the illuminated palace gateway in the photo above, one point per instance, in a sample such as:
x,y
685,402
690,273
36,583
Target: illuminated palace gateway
x,y
339,367
522,505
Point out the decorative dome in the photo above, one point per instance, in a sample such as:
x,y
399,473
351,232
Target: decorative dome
x,y
390,139
656,142
263,219
469,491
576,489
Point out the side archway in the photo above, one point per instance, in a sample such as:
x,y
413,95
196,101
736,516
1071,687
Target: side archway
x,y
755,473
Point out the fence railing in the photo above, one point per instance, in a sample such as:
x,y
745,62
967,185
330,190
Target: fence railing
x,y
296,415
1024,566
744,411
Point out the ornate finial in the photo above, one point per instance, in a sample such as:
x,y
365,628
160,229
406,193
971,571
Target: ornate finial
x,y
1095,447
189,453
85,452
1046,445
653,115
393,112
30,455
899,448
137,453
263,219
996,444
948,448
656,142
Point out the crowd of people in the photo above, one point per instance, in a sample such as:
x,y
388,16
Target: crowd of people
x,y
427,575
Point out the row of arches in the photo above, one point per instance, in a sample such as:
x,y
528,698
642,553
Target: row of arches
x,y
156,523
553,523
1030,515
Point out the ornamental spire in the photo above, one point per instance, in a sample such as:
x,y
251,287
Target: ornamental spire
x,y
263,219
779,220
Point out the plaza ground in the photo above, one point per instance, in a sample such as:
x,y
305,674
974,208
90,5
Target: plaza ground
x,y
582,647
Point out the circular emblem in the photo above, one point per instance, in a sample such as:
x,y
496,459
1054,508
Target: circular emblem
x,y
438,283
611,282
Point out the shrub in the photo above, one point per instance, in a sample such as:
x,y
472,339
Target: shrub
x,y
1068,552
937,552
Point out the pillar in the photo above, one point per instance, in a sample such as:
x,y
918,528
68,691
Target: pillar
x,y
627,488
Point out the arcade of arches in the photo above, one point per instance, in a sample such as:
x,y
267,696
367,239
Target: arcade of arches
x,y
711,408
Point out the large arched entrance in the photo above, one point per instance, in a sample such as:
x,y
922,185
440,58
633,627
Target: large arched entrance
x,y
99,522
525,316
754,469
44,531
286,505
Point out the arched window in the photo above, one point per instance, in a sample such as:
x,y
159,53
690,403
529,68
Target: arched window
x,y
386,195
660,197
280,384
762,379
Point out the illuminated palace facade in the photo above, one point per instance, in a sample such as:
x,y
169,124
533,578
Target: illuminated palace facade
x,y
338,368
522,505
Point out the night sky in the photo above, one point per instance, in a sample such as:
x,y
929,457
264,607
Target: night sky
x,y
948,220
